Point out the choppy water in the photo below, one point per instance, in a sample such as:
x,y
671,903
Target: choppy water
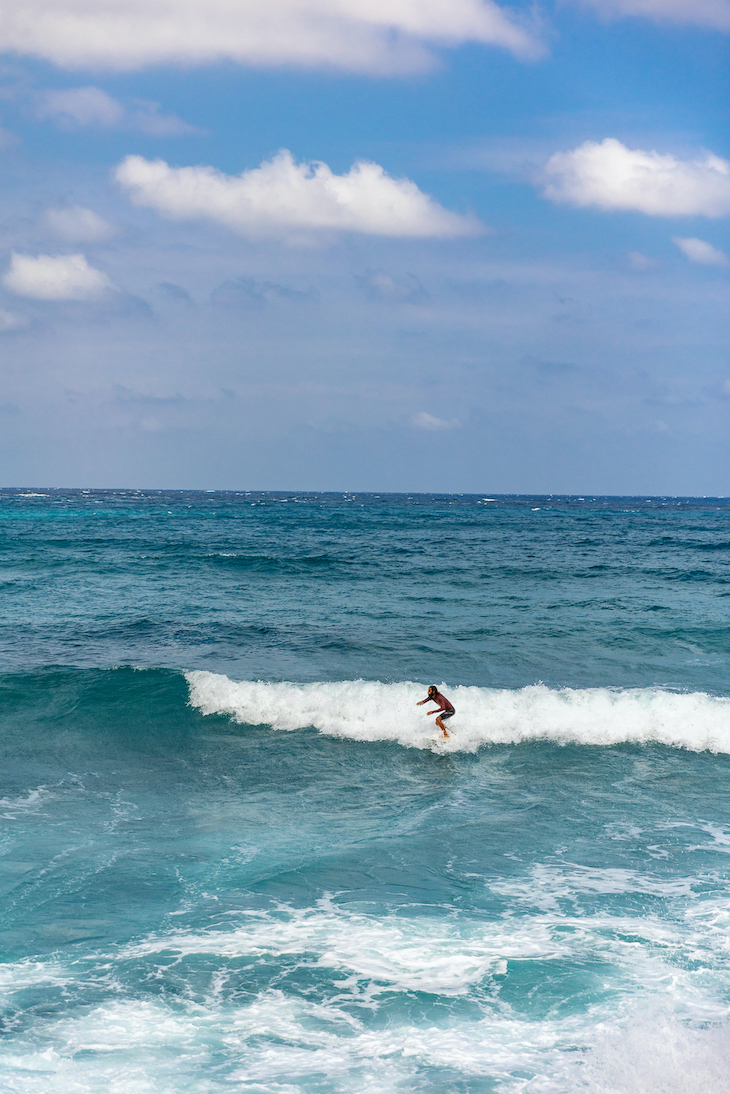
x,y
235,857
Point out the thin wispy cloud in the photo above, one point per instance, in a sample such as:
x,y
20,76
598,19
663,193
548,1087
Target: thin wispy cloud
x,y
10,321
377,38
430,422
712,14
393,288
639,261
610,176
7,139
82,107
701,252
79,225
282,196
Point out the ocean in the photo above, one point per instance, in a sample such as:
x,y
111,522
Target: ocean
x,y
236,856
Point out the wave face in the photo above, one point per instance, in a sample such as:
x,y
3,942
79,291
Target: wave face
x,y
371,711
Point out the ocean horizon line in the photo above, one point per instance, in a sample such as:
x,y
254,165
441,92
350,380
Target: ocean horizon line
x,y
25,490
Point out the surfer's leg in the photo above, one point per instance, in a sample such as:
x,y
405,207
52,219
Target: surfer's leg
x,y
444,716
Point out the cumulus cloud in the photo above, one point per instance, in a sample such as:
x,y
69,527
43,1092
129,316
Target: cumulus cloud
x,y
697,250
77,107
79,225
54,277
379,37
611,176
714,14
424,420
283,197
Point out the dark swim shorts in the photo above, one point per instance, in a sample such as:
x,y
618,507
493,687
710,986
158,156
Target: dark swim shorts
x,y
447,714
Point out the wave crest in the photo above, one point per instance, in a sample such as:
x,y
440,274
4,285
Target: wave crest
x,y
372,711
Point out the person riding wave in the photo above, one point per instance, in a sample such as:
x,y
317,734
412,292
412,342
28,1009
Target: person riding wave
x,y
444,709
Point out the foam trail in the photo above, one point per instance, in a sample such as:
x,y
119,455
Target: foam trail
x,y
653,1053
372,711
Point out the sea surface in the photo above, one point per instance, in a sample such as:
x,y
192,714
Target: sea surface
x,y
236,857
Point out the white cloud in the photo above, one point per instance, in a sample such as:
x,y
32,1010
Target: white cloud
x,y
81,106
380,36
714,14
54,277
285,197
78,224
424,420
697,250
611,176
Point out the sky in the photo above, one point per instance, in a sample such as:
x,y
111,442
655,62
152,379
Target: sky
x,y
394,245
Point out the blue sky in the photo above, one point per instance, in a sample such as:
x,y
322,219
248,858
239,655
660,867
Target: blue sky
x,y
494,256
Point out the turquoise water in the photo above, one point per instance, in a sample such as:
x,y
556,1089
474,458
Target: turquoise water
x,y
236,857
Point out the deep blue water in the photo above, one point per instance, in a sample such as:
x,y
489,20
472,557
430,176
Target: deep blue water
x,y
235,856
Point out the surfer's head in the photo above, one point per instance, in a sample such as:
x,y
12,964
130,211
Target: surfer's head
x,y
432,690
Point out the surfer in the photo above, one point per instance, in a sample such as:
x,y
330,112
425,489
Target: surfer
x,y
443,710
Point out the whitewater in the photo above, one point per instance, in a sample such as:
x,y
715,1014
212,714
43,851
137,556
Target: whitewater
x,y
371,711
236,855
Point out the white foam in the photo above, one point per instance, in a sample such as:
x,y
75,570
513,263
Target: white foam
x,y
653,1053
281,1045
451,956
28,803
571,881
439,956
372,711
664,1032
274,1043
15,976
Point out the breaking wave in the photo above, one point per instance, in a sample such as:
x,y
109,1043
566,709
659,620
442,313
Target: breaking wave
x,y
372,711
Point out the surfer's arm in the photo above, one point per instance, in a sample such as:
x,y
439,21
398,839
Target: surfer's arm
x,y
428,700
